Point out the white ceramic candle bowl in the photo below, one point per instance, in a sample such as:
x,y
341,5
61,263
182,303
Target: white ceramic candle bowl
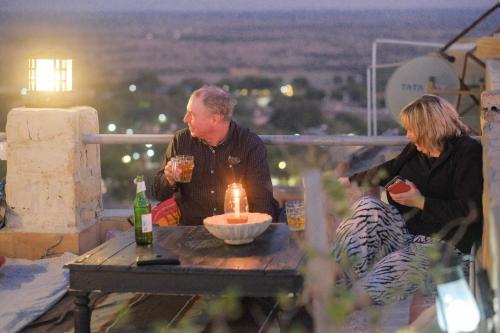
x,y
241,233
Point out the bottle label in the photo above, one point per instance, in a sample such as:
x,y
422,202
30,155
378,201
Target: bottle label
x,y
141,187
147,223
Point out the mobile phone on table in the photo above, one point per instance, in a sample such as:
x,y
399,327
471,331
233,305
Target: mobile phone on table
x,y
397,185
156,260
157,256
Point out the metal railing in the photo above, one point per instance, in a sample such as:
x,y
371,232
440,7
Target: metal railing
x,y
294,140
297,140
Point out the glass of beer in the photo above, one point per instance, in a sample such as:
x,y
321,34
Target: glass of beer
x,y
183,166
295,214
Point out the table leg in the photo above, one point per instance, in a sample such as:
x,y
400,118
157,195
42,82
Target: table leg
x,y
82,311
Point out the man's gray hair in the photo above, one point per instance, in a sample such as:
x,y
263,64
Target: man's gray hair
x,y
217,100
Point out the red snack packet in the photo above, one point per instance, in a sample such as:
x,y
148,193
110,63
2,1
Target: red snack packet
x,y
397,185
166,213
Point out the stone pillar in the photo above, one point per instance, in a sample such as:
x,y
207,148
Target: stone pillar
x,y
490,125
53,182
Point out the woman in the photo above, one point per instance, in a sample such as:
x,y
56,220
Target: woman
x,y
383,246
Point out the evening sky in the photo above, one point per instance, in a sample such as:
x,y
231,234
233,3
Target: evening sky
x,y
233,5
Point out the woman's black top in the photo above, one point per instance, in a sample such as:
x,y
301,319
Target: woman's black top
x,y
452,185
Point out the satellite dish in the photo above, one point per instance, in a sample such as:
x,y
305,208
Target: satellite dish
x,y
411,79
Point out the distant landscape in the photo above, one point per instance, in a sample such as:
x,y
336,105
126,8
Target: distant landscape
x,y
323,55
316,45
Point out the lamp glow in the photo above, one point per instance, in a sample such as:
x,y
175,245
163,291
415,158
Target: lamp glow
x,y
50,75
457,310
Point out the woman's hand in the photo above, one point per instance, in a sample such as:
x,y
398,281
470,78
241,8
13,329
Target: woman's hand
x,y
411,198
352,190
344,181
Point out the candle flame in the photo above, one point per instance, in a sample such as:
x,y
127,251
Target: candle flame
x,y
236,193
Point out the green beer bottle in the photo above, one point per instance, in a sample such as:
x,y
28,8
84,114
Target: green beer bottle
x,y
142,214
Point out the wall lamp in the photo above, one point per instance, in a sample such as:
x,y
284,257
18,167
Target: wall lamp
x,y
50,80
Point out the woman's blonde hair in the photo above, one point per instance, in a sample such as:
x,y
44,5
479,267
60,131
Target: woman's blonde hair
x,y
432,120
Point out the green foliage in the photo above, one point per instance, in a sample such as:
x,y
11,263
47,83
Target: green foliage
x,y
227,307
295,114
250,82
139,110
215,310
243,111
341,305
185,87
118,176
147,82
338,204
302,88
300,158
355,90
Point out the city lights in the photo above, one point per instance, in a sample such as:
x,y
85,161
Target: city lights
x,y
136,156
150,152
162,118
126,159
275,181
293,181
287,90
263,101
265,92
111,127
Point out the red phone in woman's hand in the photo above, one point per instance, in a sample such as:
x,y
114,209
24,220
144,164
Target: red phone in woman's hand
x,y
397,185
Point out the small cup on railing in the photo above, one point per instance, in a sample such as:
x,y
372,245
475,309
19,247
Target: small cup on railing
x,y
182,166
295,214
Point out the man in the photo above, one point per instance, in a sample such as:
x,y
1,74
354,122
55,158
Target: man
x,y
218,145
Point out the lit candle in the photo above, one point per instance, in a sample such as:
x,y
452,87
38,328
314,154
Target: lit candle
x,y
237,202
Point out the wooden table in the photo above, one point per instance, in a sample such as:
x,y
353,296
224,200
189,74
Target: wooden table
x,y
208,266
